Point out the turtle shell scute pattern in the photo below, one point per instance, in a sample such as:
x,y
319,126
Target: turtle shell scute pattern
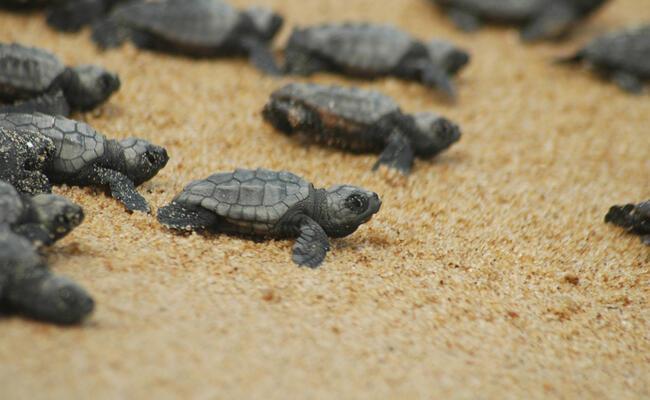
x,y
77,144
361,47
258,197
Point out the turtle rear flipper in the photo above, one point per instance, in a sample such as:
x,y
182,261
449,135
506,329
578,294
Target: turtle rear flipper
x,y
312,244
108,33
49,103
398,154
179,217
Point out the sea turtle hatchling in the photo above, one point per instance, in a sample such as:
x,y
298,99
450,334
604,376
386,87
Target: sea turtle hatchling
x,y
23,155
276,204
43,218
33,80
622,56
635,218
85,157
27,286
369,50
199,28
360,121
540,19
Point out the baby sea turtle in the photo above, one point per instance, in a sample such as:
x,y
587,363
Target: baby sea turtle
x,y
635,218
23,155
269,203
85,157
29,287
38,81
200,28
373,50
360,121
43,219
623,57
539,19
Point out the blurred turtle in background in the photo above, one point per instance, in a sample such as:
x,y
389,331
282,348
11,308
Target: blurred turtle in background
x,y
199,28
367,50
622,57
33,79
539,19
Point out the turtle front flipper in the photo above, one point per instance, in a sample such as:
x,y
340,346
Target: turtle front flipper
x,y
436,77
49,103
464,20
552,23
398,154
179,217
261,57
628,82
312,245
122,188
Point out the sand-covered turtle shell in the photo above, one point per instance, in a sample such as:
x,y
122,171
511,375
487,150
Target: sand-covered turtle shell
x,y
627,50
362,47
207,23
11,204
506,10
255,198
77,144
25,71
338,105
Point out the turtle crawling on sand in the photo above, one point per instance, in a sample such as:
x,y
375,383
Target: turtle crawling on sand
x,y
199,28
622,56
27,286
276,204
43,219
33,80
85,157
368,50
540,19
360,121
633,217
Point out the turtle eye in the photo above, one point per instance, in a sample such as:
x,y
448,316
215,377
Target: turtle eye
x,y
151,158
358,203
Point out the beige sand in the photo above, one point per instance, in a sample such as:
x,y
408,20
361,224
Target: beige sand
x,y
488,274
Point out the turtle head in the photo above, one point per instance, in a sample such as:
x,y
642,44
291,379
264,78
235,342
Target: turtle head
x,y
140,160
444,54
346,208
90,85
58,215
265,22
433,134
58,299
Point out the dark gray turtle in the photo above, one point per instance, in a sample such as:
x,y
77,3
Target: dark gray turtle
x,y
360,121
38,81
200,28
23,155
635,218
85,157
29,287
372,50
276,204
622,56
539,19
43,219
